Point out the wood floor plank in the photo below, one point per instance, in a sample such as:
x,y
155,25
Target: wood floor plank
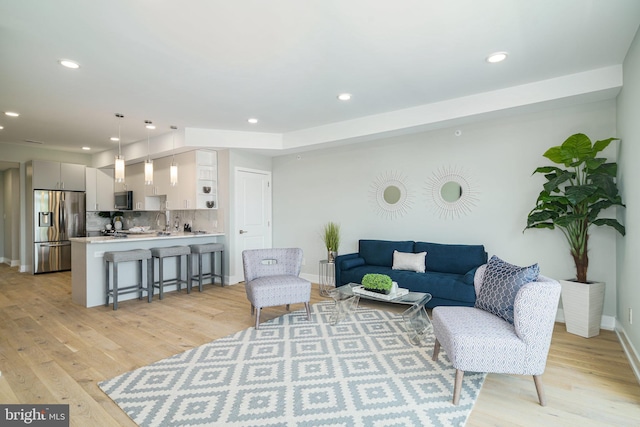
x,y
55,351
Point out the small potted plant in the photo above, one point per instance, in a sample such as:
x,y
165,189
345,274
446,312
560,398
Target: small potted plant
x,y
572,200
331,238
380,283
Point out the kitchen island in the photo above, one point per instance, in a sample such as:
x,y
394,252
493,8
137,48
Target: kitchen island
x,y
88,281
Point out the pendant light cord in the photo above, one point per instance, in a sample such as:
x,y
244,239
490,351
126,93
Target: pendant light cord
x,y
173,149
119,116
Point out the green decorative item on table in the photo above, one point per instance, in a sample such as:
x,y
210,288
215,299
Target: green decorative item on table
x,y
331,238
375,282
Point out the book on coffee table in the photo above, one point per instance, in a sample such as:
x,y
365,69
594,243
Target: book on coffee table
x,y
400,292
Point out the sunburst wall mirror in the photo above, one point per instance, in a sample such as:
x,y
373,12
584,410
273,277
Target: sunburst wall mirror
x,y
452,192
390,196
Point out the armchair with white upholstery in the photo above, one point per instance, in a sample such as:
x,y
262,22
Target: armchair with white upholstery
x,y
271,278
478,341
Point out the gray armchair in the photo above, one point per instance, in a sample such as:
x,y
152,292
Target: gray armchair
x,y
271,278
478,341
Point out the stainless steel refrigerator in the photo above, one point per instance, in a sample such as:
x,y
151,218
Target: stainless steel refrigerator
x,y
58,216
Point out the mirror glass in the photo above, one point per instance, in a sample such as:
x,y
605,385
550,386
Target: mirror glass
x,y
392,194
451,191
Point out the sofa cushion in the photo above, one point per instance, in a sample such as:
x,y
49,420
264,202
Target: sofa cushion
x,y
409,261
501,283
380,252
457,259
351,263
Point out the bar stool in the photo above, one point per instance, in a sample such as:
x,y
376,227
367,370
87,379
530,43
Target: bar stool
x,y
212,249
116,257
168,252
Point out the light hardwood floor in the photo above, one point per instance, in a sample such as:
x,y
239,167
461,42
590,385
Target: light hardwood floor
x,y
54,351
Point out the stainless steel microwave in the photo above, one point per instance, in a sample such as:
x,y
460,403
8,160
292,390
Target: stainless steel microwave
x,y
124,200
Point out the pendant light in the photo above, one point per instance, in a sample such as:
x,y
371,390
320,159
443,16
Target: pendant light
x,y
148,165
119,173
173,169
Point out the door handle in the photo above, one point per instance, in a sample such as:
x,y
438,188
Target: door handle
x,y
243,231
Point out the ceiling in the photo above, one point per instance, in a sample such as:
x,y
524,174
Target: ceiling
x,y
212,64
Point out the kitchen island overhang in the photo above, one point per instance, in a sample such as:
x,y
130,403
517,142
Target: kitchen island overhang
x,y
88,281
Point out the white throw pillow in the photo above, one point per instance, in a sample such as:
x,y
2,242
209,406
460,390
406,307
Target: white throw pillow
x,y
409,261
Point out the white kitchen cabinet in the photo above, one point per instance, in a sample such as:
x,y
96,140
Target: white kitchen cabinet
x,y
58,176
182,195
99,189
120,186
134,182
197,186
160,186
197,173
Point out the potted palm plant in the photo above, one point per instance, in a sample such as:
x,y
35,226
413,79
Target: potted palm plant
x,y
572,199
331,238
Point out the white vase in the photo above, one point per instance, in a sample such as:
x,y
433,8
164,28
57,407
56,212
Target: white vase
x,y
582,304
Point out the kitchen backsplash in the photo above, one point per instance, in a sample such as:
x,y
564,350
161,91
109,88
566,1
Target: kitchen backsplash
x,y
199,220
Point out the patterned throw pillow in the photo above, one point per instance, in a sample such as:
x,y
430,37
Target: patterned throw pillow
x,y
501,283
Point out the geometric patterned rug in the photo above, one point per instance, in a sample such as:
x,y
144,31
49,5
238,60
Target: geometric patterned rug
x,y
294,372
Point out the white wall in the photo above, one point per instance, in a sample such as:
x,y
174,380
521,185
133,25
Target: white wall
x,y
10,211
3,195
499,156
237,158
629,246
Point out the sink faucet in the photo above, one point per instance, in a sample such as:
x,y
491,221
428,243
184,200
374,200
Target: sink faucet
x,y
166,219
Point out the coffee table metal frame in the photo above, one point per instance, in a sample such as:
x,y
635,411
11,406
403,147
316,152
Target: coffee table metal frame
x,y
415,318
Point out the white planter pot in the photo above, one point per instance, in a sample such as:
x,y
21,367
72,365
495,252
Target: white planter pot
x,y
582,304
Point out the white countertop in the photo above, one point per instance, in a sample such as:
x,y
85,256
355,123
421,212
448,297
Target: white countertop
x,y
146,236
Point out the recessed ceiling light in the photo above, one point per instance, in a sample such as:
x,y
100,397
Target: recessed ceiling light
x,y
86,148
69,64
148,124
252,120
344,96
497,57
11,114
1,127
114,139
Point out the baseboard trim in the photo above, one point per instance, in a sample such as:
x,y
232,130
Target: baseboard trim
x,y
313,278
629,350
10,262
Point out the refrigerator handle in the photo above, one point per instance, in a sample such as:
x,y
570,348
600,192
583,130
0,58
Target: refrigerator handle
x,y
63,219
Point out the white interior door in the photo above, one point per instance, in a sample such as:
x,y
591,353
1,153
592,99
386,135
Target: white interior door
x,y
252,212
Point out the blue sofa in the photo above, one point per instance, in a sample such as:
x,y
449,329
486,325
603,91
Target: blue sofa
x,y
448,275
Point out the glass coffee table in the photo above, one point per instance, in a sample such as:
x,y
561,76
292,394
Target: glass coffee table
x,y
415,318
